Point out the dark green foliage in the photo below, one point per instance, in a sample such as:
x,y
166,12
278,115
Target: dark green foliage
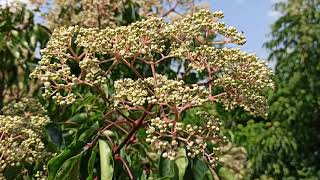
x,y
20,36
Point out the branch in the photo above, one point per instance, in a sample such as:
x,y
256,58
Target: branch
x,y
96,138
119,158
171,10
133,69
138,124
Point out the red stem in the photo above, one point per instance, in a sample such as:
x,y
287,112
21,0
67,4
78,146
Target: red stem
x,y
136,126
94,141
119,158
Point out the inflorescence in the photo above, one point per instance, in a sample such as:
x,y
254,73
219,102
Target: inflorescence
x,y
21,135
167,135
233,78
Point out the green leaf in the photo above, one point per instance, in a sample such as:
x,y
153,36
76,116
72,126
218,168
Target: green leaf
x,y
78,118
106,160
201,170
33,40
89,132
168,169
55,163
91,162
15,33
70,170
226,174
182,162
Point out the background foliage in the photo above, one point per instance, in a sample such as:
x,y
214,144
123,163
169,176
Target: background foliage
x,y
282,146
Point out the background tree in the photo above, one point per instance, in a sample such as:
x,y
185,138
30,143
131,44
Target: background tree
x,y
20,36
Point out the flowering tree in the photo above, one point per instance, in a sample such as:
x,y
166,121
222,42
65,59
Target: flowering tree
x,y
147,111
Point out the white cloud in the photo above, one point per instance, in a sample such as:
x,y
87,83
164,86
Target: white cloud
x,y
274,14
277,1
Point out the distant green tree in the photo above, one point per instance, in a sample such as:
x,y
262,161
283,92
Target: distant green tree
x,y
296,48
19,35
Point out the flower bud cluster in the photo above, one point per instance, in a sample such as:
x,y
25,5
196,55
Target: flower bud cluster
x,y
244,80
143,37
242,76
62,100
87,13
158,91
24,107
21,135
167,136
204,21
131,91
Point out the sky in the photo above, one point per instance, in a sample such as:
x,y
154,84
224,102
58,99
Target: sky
x,y
253,17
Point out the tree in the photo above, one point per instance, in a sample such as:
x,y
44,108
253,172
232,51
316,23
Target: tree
x,y
116,106
19,35
144,113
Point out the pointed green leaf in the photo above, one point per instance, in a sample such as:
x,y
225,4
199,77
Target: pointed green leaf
x,y
106,160
168,169
55,163
91,162
201,170
181,162
70,170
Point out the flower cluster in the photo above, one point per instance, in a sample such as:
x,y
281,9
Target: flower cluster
x,y
242,76
86,13
24,107
167,135
78,56
21,135
143,41
159,90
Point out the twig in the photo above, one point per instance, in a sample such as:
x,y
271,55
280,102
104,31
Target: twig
x,y
154,74
104,97
96,138
171,10
138,124
133,69
119,127
163,58
119,158
111,67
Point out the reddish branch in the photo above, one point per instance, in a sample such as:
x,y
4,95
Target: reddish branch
x,y
96,138
125,164
173,9
137,124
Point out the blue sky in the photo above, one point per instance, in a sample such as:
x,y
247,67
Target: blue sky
x,y
253,17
